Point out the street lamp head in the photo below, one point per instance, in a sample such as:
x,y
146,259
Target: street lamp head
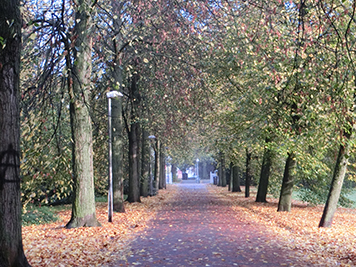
x,y
113,94
152,137
197,160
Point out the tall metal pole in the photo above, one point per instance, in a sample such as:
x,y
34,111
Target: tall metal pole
x,y
110,95
110,193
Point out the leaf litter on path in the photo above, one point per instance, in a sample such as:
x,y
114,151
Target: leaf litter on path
x,y
53,245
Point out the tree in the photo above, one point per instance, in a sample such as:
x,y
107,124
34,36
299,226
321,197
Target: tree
x,y
235,179
117,144
133,133
285,199
265,173
11,248
83,207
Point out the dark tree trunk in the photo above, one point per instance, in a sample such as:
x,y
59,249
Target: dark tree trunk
x,y
162,176
336,185
157,167
11,248
145,164
117,154
264,176
204,173
134,180
174,173
117,126
228,176
222,174
248,173
83,207
235,179
285,199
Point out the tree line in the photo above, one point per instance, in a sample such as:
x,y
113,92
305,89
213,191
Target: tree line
x,y
264,86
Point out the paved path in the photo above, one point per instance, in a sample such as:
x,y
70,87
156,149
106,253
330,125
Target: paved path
x,y
199,229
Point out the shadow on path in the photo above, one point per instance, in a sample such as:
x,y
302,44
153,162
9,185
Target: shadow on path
x,y
198,228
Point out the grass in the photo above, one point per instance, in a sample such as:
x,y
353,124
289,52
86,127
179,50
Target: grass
x,y
35,215
41,214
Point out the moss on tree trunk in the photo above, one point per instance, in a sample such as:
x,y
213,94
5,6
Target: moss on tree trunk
x,y
336,185
11,248
83,207
117,154
264,175
285,199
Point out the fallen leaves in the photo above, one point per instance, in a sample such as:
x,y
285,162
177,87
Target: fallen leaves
x,y
298,230
54,245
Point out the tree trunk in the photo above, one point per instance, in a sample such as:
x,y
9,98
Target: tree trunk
x,y
228,176
145,167
157,168
83,207
222,174
11,248
285,199
134,179
152,165
162,165
174,173
336,185
264,176
248,173
117,128
235,179
117,165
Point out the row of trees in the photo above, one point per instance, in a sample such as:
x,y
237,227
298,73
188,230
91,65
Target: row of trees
x,y
289,80
240,78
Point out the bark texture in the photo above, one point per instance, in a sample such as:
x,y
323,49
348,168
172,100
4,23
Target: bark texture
x,y
145,164
134,179
156,168
117,154
264,175
11,248
83,207
336,185
248,173
117,136
235,179
285,198
162,171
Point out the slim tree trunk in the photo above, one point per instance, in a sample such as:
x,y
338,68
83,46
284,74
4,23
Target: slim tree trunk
x,y
222,174
134,181
162,165
157,167
228,176
11,248
83,207
248,173
117,128
285,199
235,179
336,185
117,147
174,173
264,176
145,167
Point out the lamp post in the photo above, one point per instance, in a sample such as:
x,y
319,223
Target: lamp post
x,y
109,95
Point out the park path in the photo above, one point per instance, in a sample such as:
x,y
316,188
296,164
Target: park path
x,y
197,228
